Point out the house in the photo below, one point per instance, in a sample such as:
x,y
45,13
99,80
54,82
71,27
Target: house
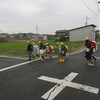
x,y
60,33
97,33
30,35
78,34
39,37
4,35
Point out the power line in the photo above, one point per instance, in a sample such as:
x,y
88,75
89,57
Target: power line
x,y
98,1
97,5
89,8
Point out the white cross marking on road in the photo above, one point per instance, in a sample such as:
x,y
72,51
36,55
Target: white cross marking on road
x,y
61,84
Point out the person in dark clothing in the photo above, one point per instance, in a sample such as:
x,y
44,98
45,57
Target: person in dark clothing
x,y
89,51
29,49
42,49
41,45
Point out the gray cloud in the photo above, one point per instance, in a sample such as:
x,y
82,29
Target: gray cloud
x,y
49,15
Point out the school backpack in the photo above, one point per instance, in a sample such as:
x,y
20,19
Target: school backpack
x,y
93,44
50,48
65,48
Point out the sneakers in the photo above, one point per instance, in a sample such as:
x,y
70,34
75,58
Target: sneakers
x,y
90,64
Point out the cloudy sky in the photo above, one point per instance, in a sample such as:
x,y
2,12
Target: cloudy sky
x,y
48,15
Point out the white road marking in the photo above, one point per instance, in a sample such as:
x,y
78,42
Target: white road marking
x,y
61,84
98,58
13,57
10,67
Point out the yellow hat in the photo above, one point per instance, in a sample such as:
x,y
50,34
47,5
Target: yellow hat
x,y
33,43
39,42
28,41
47,43
86,38
57,43
61,43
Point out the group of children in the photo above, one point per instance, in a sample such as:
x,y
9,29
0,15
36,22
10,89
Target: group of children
x,y
41,50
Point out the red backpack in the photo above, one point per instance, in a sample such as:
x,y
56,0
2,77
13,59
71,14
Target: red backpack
x,y
93,44
50,48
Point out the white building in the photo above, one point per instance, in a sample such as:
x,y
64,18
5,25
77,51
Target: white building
x,y
39,37
78,34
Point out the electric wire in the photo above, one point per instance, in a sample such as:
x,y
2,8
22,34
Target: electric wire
x,y
89,8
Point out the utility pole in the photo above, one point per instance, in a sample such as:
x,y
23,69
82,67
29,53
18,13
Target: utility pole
x,y
86,20
37,29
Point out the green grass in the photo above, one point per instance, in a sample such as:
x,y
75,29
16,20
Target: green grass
x,y
73,46
19,48
14,49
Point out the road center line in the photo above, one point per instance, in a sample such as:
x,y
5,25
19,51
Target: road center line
x,y
10,67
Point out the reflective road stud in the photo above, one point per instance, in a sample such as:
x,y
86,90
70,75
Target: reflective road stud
x,y
61,84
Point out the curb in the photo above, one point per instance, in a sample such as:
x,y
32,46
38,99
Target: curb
x,y
25,58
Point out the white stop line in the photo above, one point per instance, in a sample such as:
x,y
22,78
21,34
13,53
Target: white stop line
x,y
61,84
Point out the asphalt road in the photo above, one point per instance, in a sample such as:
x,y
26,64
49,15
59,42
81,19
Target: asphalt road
x,y
49,80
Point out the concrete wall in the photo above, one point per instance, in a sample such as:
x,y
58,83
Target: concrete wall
x,y
80,33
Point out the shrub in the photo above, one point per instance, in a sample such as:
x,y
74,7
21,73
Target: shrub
x,y
3,40
62,38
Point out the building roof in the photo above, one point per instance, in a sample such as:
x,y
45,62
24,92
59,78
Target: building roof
x,y
83,27
61,31
66,31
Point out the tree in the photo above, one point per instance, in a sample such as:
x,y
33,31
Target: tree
x,y
62,38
